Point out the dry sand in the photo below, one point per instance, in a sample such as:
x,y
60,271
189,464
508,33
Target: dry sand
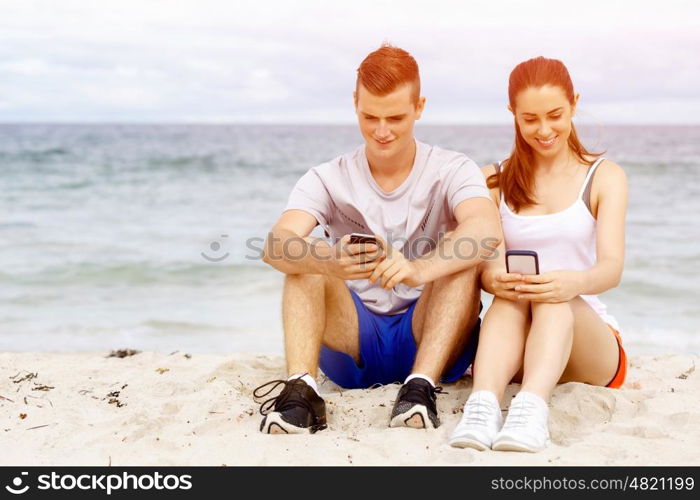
x,y
160,409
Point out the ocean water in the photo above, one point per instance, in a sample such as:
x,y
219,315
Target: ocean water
x,y
148,236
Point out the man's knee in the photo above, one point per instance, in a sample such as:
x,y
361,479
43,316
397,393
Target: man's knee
x,y
481,267
466,281
306,280
470,273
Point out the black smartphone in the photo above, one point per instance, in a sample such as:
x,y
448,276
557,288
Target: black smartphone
x,y
522,262
362,238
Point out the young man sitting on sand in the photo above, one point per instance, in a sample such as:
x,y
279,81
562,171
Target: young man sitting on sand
x,y
404,309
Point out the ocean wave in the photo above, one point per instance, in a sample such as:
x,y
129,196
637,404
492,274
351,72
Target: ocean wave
x,y
139,273
208,161
648,289
660,340
175,327
34,155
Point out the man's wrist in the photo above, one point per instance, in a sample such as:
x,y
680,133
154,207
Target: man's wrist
x,y
421,268
324,256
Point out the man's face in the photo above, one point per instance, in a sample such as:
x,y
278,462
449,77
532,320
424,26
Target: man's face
x,y
386,122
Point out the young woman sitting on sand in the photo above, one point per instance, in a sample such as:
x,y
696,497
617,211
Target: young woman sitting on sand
x,y
568,205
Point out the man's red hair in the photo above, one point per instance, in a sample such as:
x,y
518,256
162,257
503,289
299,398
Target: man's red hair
x,y
387,68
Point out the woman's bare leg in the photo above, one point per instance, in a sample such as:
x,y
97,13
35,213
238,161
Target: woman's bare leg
x,y
548,347
595,353
501,345
567,342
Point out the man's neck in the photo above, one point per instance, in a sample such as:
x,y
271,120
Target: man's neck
x,y
397,166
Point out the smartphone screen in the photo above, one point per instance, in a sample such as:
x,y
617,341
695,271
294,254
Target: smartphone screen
x,y
522,262
356,238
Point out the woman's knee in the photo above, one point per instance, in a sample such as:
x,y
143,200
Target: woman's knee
x,y
562,311
519,306
505,314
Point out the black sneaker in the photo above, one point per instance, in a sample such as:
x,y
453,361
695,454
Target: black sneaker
x,y
297,409
415,405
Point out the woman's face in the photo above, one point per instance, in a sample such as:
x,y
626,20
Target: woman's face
x,y
544,117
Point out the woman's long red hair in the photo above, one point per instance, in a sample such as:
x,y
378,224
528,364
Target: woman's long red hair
x,y
517,178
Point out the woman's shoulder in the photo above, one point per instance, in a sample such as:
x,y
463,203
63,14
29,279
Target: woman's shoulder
x,y
610,171
610,182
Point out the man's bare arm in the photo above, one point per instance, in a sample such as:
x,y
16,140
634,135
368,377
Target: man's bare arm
x,y
289,249
474,240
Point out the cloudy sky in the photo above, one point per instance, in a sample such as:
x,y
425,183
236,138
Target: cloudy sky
x,y
294,61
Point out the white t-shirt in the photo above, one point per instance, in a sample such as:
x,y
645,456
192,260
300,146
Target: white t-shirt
x,y
344,198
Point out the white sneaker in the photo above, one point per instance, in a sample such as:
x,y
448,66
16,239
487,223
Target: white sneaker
x,y
525,428
480,423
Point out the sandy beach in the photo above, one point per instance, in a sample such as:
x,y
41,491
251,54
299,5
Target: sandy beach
x,y
180,409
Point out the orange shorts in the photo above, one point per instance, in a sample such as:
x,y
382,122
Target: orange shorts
x,y
621,373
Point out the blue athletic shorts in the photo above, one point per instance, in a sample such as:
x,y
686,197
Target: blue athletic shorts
x,y
387,351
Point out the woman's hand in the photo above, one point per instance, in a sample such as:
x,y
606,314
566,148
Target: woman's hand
x,y
553,287
502,284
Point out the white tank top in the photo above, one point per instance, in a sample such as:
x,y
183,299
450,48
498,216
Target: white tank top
x,y
564,240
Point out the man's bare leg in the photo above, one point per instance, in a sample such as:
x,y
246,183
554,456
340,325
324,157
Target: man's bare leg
x,y
317,309
442,321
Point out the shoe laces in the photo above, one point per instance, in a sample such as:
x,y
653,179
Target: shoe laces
x,y
289,397
477,412
417,393
521,413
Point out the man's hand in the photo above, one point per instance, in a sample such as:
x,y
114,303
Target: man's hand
x,y
395,268
352,262
553,287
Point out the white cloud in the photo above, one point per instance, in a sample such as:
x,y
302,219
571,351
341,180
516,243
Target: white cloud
x,y
295,61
